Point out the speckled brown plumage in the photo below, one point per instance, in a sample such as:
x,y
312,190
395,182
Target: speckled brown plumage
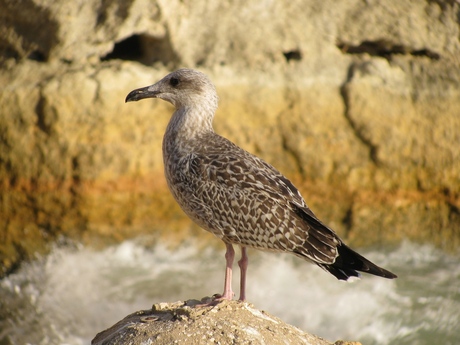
x,y
235,195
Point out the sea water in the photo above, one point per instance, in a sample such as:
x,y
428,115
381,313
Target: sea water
x,y
75,292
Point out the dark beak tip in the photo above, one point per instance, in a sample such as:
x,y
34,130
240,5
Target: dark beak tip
x,y
133,96
138,94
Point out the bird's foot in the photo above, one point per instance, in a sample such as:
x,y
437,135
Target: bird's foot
x,y
214,300
225,296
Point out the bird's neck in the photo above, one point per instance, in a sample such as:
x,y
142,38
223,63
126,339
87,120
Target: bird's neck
x,y
185,127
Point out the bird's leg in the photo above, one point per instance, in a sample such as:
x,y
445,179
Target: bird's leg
x,y
229,256
228,292
243,263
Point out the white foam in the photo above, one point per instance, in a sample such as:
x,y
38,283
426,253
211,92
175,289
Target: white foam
x,y
75,293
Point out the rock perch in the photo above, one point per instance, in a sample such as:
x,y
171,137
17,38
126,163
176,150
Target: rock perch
x,y
235,195
229,322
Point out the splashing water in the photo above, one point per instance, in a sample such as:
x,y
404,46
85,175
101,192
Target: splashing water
x,y
69,296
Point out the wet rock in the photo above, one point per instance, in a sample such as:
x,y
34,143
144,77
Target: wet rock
x,y
229,322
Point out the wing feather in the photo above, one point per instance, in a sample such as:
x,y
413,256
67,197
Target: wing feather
x,y
257,205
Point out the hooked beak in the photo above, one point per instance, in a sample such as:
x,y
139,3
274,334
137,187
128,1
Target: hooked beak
x,y
141,93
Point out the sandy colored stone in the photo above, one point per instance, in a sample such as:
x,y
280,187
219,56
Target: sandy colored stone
x,y
358,102
229,322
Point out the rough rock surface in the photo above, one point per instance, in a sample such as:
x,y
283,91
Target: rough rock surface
x,y
357,102
229,322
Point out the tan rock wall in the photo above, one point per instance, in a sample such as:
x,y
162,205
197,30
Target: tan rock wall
x,y
358,102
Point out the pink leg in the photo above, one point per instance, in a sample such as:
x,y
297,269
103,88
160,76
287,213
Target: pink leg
x,y
229,256
243,263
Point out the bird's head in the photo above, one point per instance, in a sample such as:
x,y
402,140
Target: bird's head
x,y
184,88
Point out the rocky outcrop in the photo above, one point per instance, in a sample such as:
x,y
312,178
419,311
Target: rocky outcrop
x,y
228,322
357,102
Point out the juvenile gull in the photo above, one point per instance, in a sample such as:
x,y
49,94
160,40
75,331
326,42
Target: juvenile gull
x,y
235,195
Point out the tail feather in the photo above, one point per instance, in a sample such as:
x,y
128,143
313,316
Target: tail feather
x,y
348,262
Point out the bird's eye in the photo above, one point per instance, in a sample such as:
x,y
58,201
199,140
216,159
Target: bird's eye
x,y
174,81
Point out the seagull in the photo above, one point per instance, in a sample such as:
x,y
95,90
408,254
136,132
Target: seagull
x,y
235,195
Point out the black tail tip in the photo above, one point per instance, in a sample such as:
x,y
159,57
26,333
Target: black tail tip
x,y
349,262
350,274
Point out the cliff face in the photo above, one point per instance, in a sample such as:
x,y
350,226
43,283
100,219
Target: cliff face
x,y
229,322
357,102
